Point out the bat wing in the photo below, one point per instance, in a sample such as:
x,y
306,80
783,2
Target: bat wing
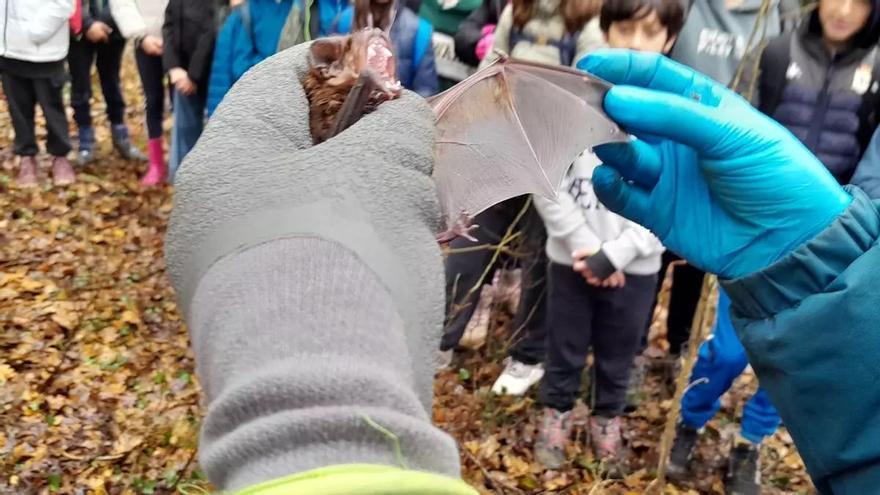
x,y
514,128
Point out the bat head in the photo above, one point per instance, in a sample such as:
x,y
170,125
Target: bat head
x,y
340,60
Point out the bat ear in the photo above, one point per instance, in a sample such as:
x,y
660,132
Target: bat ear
x,y
325,52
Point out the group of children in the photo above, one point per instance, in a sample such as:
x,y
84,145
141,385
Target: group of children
x,y
818,76
189,53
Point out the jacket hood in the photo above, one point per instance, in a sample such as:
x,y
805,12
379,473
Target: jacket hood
x,y
867,37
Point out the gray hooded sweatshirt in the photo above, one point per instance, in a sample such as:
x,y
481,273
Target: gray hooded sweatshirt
x,y
716,33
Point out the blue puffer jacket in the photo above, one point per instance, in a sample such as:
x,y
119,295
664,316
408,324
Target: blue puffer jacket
x,y
411,37
826,100
810,324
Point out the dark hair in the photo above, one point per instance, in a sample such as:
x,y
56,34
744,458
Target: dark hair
x,y
576,13
670,13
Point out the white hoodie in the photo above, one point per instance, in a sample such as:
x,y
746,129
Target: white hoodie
x,y
35,30
579,221
138,18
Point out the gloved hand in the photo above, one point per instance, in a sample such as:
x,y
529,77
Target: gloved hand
x,y
719,183
311,283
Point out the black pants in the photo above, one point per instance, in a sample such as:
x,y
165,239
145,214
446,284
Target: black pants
x,y
153,81
22,95
463,271
108,58
687,281
580,315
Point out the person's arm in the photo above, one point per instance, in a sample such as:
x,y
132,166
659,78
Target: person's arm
x,y
809,324
502,35
564,218
50,16
616,254
470,31
221,79
170,28
200,62
867,174
128,18
590,39
314,307
425,80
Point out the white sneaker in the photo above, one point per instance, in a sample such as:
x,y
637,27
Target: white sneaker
x,y
517,377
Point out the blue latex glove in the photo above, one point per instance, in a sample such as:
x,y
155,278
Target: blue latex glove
x,y
722,185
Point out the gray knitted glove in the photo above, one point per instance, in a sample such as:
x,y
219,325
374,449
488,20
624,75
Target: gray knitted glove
x,y
311,282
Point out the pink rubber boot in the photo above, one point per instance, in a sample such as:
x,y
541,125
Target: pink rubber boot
x,y
157,170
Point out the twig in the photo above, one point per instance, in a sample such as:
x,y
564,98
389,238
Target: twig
x,y
601,484
496,484
703,320
182,472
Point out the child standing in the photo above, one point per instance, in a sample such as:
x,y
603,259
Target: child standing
x,y
554,32
141,21
603,271
101,45
33,44
189,33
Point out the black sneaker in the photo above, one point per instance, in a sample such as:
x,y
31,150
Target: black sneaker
x,y
743,473
682,451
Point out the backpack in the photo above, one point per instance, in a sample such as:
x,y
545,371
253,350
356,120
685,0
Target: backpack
x,y
567,45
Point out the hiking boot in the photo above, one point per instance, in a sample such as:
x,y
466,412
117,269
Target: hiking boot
x,y
743,473
27,172
637,374
62,172
682,451
85,153
123,145
605,437
517,377
552,436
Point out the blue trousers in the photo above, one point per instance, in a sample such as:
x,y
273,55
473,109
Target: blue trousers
x,y
722,359
189,120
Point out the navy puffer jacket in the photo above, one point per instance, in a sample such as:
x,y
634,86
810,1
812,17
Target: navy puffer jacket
x,y
827,100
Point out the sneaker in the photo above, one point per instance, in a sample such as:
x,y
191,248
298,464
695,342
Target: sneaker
x,y
27,172
552,436
86,153
443,359
637,374
743,473
477,329
605,437
62,172
517,377
682,451
122,143
508,288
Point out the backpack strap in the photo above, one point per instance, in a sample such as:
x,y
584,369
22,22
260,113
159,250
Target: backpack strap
x,y
774,66
422,42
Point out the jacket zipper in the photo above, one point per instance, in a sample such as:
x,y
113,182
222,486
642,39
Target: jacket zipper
x,y
821,110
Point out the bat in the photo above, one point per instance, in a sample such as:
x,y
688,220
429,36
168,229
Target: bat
x,y
348,77
512,128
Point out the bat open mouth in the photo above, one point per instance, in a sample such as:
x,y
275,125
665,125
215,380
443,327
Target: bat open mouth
x,y
380,58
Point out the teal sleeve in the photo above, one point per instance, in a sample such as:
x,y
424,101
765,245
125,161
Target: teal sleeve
x,y
810,324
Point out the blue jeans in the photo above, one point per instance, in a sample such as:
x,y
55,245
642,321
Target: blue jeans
x,y
722,359
189,120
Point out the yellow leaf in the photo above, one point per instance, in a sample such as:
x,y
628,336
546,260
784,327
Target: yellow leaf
x,y
129,316
6,373
489,447
516,466
31,285
118,233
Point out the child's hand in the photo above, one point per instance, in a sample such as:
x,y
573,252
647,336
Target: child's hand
x,y
152,45
186,86
615,281
580,265
98,32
